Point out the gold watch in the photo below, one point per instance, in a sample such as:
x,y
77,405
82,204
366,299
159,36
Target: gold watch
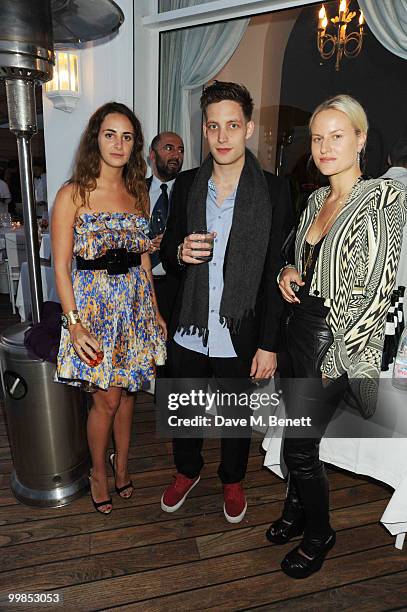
x,y
70,318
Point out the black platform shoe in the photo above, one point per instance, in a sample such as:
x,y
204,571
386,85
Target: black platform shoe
x,y
292,521
282,531
296,565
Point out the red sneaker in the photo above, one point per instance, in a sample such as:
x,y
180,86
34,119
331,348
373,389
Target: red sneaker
x,y
176,493
235,505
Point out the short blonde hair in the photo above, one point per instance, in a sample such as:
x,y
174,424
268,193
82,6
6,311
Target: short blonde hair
x,y
347,105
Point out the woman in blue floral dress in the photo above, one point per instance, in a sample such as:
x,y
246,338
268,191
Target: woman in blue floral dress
x,y
113,335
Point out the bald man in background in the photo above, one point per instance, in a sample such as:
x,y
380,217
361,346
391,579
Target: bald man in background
x,y
166,158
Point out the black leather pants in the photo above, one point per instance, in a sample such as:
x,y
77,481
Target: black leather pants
x,y
307,340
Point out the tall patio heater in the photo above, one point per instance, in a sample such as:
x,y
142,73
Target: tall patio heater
x,y
46,420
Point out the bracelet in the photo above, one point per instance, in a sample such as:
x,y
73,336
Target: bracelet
x,y
282,270
179,255
70,318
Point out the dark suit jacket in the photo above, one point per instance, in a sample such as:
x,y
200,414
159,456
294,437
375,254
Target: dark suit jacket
x,y
261,329
166,295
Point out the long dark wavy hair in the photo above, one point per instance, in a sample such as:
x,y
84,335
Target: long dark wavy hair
x,y
87,163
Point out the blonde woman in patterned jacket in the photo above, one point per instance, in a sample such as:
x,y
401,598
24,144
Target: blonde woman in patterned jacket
x,y
347,251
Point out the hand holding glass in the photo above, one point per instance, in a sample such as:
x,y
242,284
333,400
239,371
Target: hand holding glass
x,y
157,225
86,345
99,355
205,240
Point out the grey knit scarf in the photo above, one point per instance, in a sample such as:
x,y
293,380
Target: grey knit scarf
x,y
248,242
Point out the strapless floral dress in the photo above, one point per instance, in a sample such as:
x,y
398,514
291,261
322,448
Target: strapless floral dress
x,y
116,309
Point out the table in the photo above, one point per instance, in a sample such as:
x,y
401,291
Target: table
x,y
45,248
20,231
384,459
23,300
8,230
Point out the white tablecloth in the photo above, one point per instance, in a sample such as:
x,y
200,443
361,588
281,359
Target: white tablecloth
x,y
23,301
11,230
384,459
45,248
8,230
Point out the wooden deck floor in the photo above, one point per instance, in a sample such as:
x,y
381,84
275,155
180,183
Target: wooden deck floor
x,y
140,558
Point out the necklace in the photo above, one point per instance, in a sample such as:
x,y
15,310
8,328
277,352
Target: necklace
x,y
308,259
311,247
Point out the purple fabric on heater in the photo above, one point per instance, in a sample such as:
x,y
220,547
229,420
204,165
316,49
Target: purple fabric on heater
x,y
42,339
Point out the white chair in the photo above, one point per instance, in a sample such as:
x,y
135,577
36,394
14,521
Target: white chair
x,y
16,253
45,248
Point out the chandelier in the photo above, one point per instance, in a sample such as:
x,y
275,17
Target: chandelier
x,y
338,41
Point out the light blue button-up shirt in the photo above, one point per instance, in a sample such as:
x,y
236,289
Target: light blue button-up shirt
x,y
219,220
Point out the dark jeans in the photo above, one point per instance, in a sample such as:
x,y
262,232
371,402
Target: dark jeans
x,y
183,363
307,340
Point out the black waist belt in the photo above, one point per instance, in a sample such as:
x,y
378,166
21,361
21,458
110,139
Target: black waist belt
x,y
115,261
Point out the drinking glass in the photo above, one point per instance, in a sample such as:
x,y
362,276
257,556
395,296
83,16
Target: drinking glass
x,y
5,219
207,238
95,361
157,225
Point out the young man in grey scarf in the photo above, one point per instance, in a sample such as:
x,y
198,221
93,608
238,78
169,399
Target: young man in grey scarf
x,y
226,319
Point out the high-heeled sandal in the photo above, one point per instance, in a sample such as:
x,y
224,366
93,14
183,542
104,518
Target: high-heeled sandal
x,y
296,565
99,505
120,490
282,531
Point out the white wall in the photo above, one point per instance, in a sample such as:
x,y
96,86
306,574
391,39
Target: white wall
x,y
257,63
278,33
246,67
146,57
106,75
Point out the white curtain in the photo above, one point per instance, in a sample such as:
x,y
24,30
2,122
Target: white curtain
x,y
387,19
190,58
